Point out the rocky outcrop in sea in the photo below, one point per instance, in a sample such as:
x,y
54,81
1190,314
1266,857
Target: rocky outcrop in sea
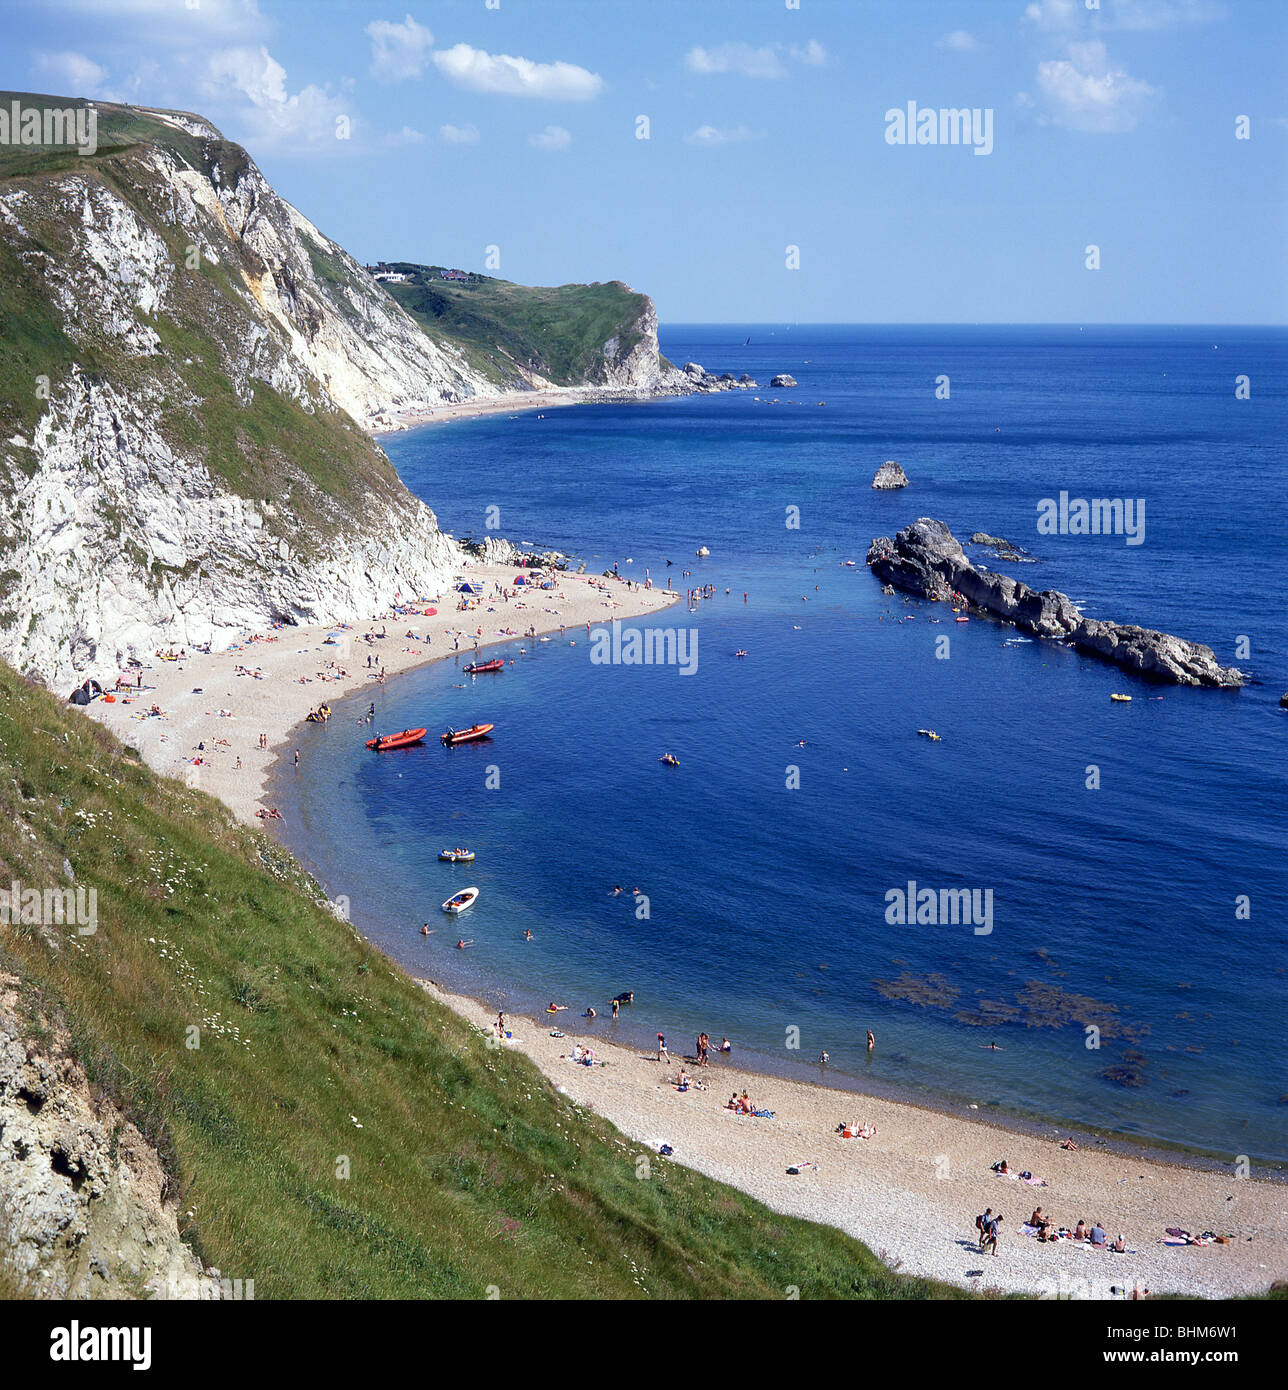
x,y
889,477
925,559
702,382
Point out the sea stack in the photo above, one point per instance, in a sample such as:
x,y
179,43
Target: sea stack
x,y
783,380
889,477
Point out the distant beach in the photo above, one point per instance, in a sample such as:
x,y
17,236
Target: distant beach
x,y
549,398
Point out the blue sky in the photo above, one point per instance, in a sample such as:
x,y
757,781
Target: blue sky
x,y
513,123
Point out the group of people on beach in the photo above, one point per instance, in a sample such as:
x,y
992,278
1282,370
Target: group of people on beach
x,y
988,1222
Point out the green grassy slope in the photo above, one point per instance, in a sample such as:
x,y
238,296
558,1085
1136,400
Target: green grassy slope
x,y
557,331
467,1170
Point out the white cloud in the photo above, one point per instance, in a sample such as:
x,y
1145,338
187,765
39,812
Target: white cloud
x,y
275,118
812,54
960,41
1053,14
170,21
499,73
712,135
398,51
72,74
467,134
740,58
554,137
1163,14
1063,15
745,60
1084,92
405,136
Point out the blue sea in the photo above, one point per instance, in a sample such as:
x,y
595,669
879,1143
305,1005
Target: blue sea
x,y
1116,904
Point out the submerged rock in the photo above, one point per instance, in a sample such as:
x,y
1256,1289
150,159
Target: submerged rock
x,y
926,559
890,476
1003,549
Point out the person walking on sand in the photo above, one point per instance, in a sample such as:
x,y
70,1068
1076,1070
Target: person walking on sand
x,y
661,1048
989,1246
297,757
981,1223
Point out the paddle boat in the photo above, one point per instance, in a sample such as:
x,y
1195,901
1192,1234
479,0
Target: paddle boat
x,y
456,856
454,736
669,759
497,664
1124,699
382,742
702,552
459,902
930,734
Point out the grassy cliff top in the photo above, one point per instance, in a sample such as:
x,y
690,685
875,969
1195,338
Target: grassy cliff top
x,y
558,331
466,1168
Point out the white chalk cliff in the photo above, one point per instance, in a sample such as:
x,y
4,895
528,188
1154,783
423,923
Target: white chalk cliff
x,y
184,451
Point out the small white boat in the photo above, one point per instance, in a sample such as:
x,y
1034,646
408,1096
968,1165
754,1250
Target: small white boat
x,y
459,902
457,856
702,552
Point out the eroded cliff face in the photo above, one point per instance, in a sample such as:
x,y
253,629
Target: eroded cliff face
x,y
632,362
195,366
85,1206
187,462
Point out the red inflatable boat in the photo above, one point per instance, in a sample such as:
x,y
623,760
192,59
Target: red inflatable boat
x,y
454,736
402,740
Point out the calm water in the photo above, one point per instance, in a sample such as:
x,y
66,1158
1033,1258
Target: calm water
x,y
766,903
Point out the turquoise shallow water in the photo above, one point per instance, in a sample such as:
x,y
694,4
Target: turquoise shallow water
x,y
767,903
